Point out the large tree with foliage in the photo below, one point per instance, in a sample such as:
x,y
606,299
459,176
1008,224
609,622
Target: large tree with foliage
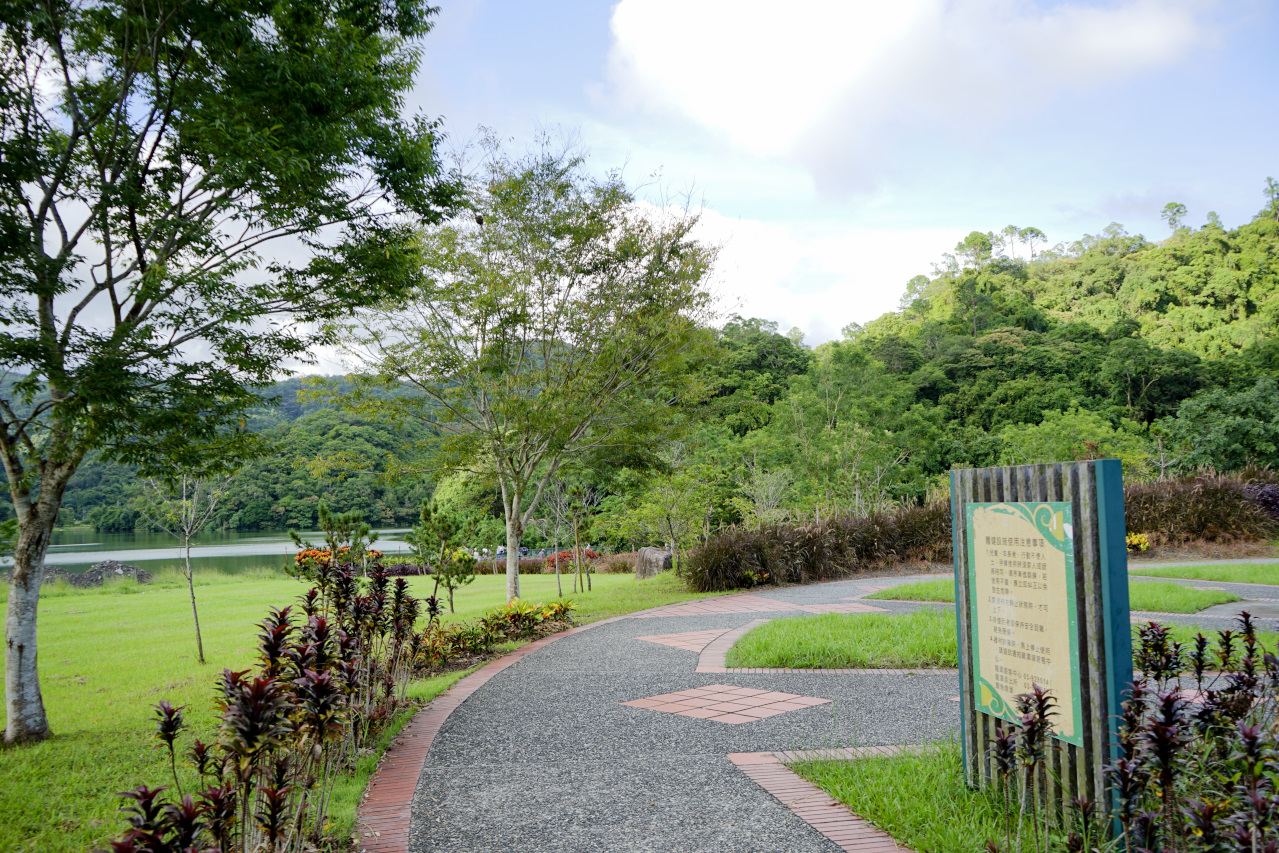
x,y
555,322
148,154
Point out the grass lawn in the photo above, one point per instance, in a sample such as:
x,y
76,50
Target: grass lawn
x,y
923,639
107,655
919,799
1267,573
1152,596
942,589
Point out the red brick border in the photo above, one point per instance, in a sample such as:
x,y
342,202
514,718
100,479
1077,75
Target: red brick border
x,y
829,817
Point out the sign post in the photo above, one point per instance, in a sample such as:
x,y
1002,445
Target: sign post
x,y
1041,594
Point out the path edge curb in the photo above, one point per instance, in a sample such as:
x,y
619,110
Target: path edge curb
x,y
385,811
811,804
382,818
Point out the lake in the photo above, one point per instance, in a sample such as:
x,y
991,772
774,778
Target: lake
x,y
77,549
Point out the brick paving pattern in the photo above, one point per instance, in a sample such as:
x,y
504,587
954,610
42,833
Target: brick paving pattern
x,y
724,703
689,641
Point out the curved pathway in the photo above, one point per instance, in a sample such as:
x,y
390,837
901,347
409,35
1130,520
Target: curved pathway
x,y
631,735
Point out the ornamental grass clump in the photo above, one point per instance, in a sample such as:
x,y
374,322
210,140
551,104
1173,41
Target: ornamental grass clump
x,y
1198,763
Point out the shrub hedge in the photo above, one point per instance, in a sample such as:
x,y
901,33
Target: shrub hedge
x,y
782,553
1207,507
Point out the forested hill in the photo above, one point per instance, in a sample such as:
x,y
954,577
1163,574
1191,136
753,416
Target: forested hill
x,y
1210,292
1161,353
279,490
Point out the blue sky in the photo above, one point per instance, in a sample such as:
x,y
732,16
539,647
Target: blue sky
x,y
839,148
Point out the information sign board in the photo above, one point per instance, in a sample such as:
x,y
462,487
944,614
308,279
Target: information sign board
x,y
1021,567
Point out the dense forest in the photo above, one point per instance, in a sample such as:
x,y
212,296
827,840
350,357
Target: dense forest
x,y
1160,353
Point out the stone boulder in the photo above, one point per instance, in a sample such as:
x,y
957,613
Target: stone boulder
x,y
98,573
650,561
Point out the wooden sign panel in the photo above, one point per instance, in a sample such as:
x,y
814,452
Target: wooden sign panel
x,y
1041,587
1021,567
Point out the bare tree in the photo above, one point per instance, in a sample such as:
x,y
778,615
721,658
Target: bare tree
x,y
554,522
183,510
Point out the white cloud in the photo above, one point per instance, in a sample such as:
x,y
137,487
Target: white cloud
x,y
819,275
834,84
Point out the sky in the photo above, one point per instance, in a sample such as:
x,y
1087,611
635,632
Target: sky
x,y
836,149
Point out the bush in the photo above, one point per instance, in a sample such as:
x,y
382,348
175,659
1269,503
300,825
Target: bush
x,y
565,558
1191,774
617,564
779,553
1208,507
1266,495
324,687
528,566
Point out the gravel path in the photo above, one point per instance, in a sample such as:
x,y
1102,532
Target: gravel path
x,y
544,757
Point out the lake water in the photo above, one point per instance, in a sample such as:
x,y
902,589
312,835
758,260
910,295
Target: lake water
x,y
78,549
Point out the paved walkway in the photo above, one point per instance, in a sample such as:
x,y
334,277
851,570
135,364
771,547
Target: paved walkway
x,y
631,735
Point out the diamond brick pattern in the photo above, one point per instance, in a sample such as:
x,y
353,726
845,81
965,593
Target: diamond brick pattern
x,y
689,641
724,703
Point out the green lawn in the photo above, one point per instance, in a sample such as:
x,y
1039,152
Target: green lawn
x,y
1266,573
923,639
108,655
1169,597
1152,596
920,799
942,589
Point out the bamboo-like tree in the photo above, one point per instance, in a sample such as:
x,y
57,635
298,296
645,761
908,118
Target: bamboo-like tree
x,y
559,319
183,509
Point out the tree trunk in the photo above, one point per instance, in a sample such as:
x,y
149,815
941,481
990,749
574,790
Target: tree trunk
x,y
512,553
24,705
559,585
199,642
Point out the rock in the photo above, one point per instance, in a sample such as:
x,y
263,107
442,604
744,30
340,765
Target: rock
x,y
650,561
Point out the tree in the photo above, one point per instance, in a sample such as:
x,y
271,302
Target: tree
x,y
583,501
1031,237
437,542
148,154
1076,434
183,509
673,509
1008,240
343,531
562,318
1271,192
1220,429
764,494
975,250
1174,214
554,521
